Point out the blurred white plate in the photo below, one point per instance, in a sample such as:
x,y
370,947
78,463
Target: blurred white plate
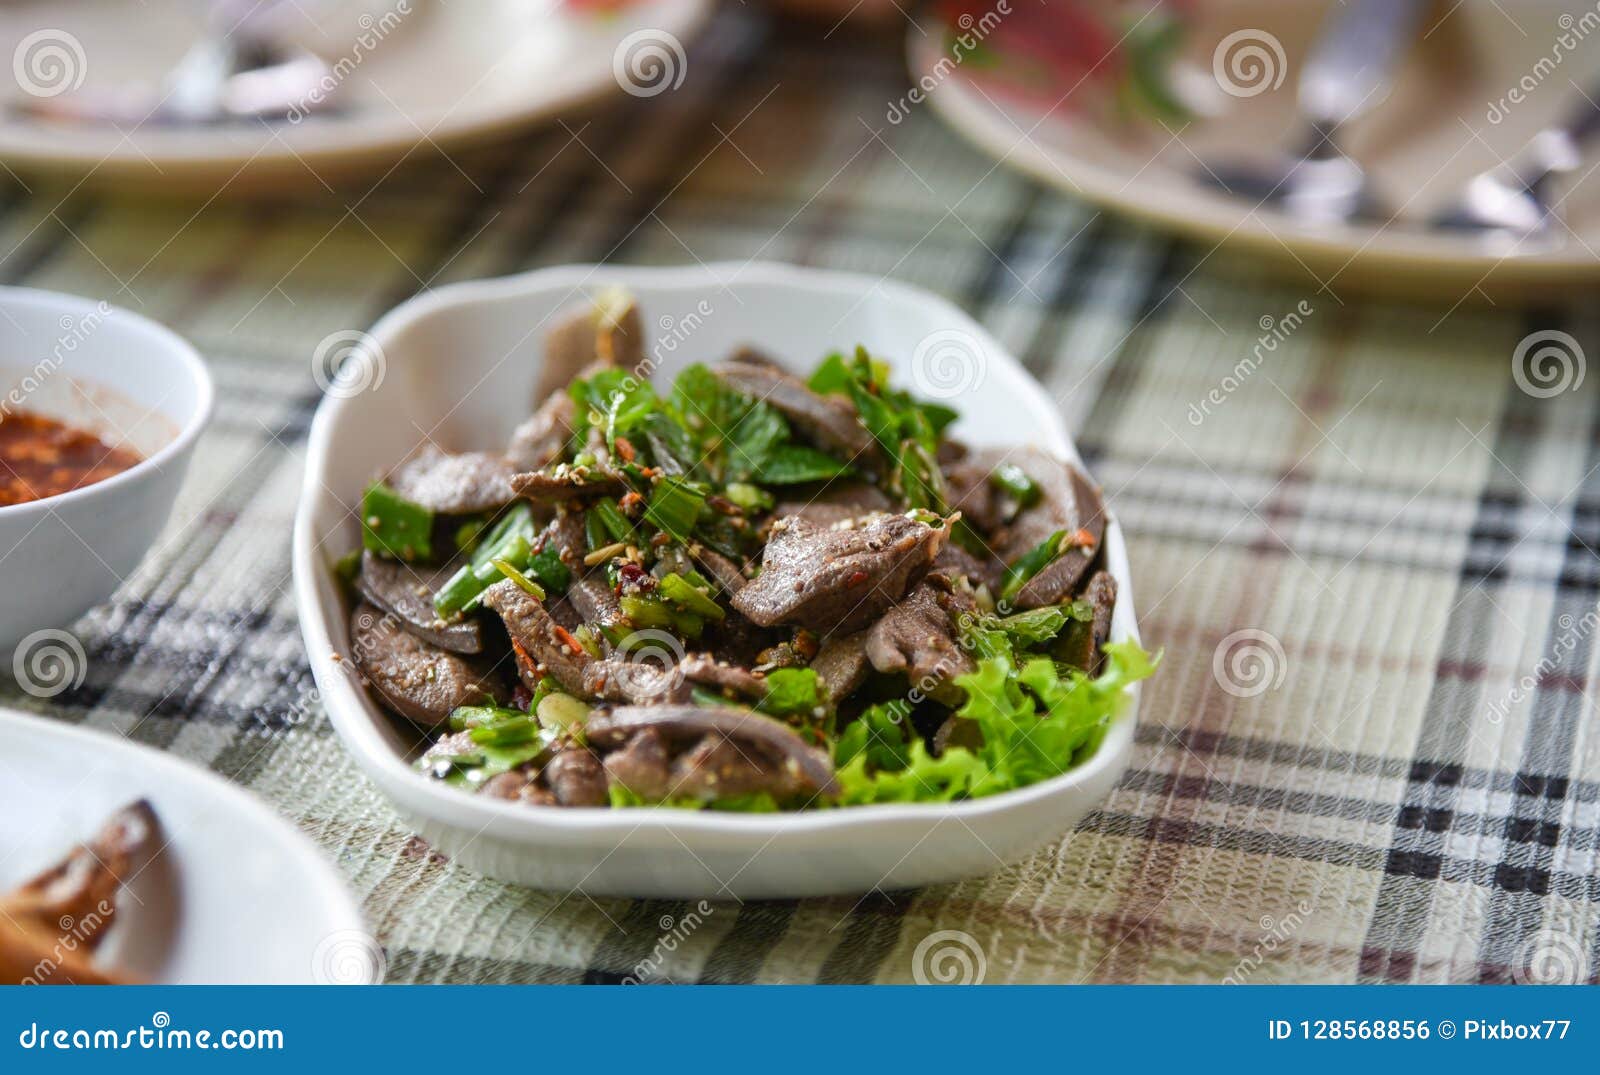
x,y
1443,124
461,362
412,75
236,896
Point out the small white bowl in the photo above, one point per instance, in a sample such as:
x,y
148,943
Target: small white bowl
x,y
136,385
460,363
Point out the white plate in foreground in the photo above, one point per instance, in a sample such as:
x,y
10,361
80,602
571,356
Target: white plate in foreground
x,y
236,896
459,366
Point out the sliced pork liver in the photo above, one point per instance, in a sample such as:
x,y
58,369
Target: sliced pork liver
x,y
770,756
455,484
422,683
831,424
543,647
918,637
838,579
834,503
407,592
1068,501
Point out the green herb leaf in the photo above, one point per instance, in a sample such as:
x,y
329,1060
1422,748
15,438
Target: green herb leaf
x,y
395,527
792,692
675,506
1030,564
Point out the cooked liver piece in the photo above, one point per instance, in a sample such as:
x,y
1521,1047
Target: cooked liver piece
x,y
795,767
918,636
841,664
407,592
831,424
1069,502
460,484
538,441
835,502
838,579
422,683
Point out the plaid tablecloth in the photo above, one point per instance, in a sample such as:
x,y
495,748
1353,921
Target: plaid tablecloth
x,y
1371,753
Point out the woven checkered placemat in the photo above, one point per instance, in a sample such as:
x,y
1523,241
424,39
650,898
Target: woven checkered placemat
x,y
1371,753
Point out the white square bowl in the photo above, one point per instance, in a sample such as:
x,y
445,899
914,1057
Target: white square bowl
x,y
458,365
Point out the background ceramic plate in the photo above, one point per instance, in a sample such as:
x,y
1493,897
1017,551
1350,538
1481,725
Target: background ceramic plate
x,y
459,365
443,74
1421,145
237,895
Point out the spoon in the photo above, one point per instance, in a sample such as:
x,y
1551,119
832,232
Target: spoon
x,y
1513,199
234,71
1348,73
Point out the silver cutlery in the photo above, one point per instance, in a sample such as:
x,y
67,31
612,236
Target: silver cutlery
x,y
1349,72
1514,198
236,70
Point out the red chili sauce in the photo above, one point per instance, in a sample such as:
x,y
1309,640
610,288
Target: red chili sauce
x,y
41,457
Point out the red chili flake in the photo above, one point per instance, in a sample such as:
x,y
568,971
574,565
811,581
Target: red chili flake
x,y
1083,537
631,503
856,579
663,538
625,449
631,578
566,637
